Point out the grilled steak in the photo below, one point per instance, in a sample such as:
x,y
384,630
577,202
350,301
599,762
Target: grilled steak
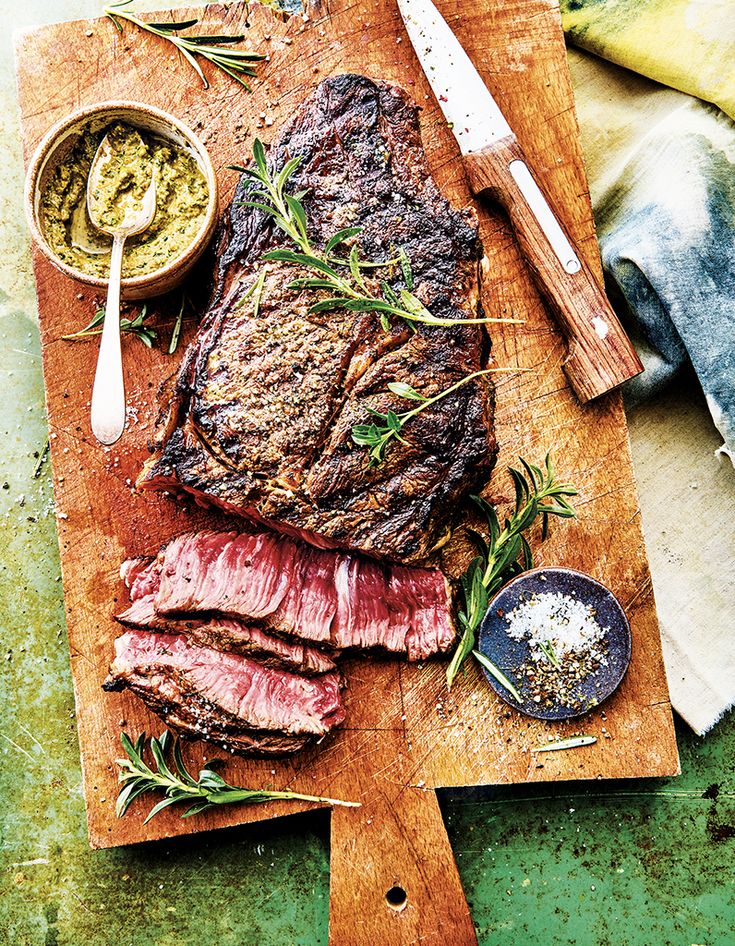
x,y
215,631
230,700
259,419
329,598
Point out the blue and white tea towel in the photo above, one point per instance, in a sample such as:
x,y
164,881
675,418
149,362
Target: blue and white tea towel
x,y
661,165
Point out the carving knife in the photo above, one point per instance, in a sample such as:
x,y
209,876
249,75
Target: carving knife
x,y
600,355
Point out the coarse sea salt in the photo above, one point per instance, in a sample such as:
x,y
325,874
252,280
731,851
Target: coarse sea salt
x,y
569,625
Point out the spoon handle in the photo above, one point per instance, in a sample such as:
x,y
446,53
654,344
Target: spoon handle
x,y
108,393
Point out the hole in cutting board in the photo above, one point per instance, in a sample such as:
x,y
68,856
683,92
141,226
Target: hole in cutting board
x,y
396,898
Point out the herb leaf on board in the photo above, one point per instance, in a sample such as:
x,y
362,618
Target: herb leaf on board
x,y
572,743
179,786
176,331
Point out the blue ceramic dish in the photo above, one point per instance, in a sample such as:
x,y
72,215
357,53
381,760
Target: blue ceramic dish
x,y
509,654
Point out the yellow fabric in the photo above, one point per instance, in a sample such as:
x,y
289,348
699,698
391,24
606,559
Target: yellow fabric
x,y
686,44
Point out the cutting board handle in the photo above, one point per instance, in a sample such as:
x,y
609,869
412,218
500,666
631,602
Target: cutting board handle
x,y
600,355
394,880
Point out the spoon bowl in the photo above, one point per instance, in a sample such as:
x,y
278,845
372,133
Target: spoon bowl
x,y
135,215
128,216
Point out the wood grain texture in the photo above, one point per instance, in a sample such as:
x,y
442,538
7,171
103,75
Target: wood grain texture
x,y
405,735
600,355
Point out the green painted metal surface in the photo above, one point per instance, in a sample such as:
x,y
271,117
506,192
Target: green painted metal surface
x,y
571,864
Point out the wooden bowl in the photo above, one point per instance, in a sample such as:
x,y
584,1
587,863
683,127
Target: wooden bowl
x,y
56,146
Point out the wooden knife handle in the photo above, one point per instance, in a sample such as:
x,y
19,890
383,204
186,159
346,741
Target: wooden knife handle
x,y
600,355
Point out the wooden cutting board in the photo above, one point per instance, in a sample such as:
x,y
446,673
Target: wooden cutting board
x,y
404,735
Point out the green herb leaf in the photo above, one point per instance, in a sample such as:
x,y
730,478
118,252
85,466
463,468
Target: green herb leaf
x,y
172,27
402,389
339,237
299,214
301,259
259,156
573,743
496,672
389,293
285,173
406,269
176,333
210,44
393,421
328,305
354,263
309,283
367,435
258,294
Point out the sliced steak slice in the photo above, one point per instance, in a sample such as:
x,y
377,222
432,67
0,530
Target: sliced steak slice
x,y
329,598
140,575
221,633
227,699
259,419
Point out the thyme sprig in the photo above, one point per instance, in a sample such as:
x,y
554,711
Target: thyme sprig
x,y
378,436
237,63
132,326
179,786
505,552
348,290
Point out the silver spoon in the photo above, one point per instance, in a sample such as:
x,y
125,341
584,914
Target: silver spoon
x,y
108,393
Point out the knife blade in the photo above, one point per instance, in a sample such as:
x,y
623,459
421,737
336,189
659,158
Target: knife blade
x,y
600,356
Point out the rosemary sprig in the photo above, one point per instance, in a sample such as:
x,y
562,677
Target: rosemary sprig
x,y
377,437
135,326
179,786
506,552
348,290
235,62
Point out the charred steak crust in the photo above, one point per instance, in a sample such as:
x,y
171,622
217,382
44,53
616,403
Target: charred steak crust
x,y
259,419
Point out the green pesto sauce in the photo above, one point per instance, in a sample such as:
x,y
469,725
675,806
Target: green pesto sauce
x,y
122,177
182,197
